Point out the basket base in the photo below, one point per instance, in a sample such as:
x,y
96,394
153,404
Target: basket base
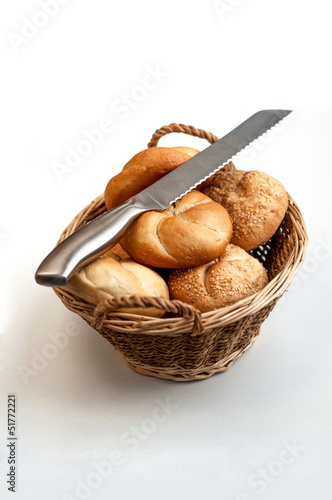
x,y
179,374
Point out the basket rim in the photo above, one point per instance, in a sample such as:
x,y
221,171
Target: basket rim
x,y
134,323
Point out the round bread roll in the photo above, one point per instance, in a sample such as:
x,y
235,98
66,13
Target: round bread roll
x,y
110,276
142,170
189,233
256,202
235,275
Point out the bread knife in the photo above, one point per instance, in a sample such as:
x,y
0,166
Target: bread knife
x,y
97,236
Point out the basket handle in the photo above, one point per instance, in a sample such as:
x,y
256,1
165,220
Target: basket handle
x,y
180,128
188,312
189,130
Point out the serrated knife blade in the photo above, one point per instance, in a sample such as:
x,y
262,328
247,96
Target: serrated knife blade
x,y
194,171
96,237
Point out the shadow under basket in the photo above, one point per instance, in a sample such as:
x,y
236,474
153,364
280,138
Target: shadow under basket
x,y
185,344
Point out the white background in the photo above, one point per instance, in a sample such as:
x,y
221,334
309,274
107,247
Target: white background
x,y
217,66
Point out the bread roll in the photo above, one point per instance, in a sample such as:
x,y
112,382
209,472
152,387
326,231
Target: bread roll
x,y
118,251
191,232
256,202
142,170
235,275
109,276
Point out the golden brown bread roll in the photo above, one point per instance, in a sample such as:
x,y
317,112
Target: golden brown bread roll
x,y
256,202
118,251
110,276
142,170
235,275
191,232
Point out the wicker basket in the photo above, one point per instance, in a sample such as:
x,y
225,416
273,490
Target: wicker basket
x,y
185,344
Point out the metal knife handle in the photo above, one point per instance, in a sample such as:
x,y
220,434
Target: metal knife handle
x,y
90,241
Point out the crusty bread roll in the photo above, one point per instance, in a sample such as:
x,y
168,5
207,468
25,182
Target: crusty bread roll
x,y
110,276
235,275
142,170
256,202
191,232
118,251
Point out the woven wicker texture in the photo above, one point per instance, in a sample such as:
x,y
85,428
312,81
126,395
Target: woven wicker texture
x,y
185,344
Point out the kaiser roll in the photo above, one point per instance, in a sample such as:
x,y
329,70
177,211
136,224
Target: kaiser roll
x,y
256,202
109,276
235,275
190,232
142,170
